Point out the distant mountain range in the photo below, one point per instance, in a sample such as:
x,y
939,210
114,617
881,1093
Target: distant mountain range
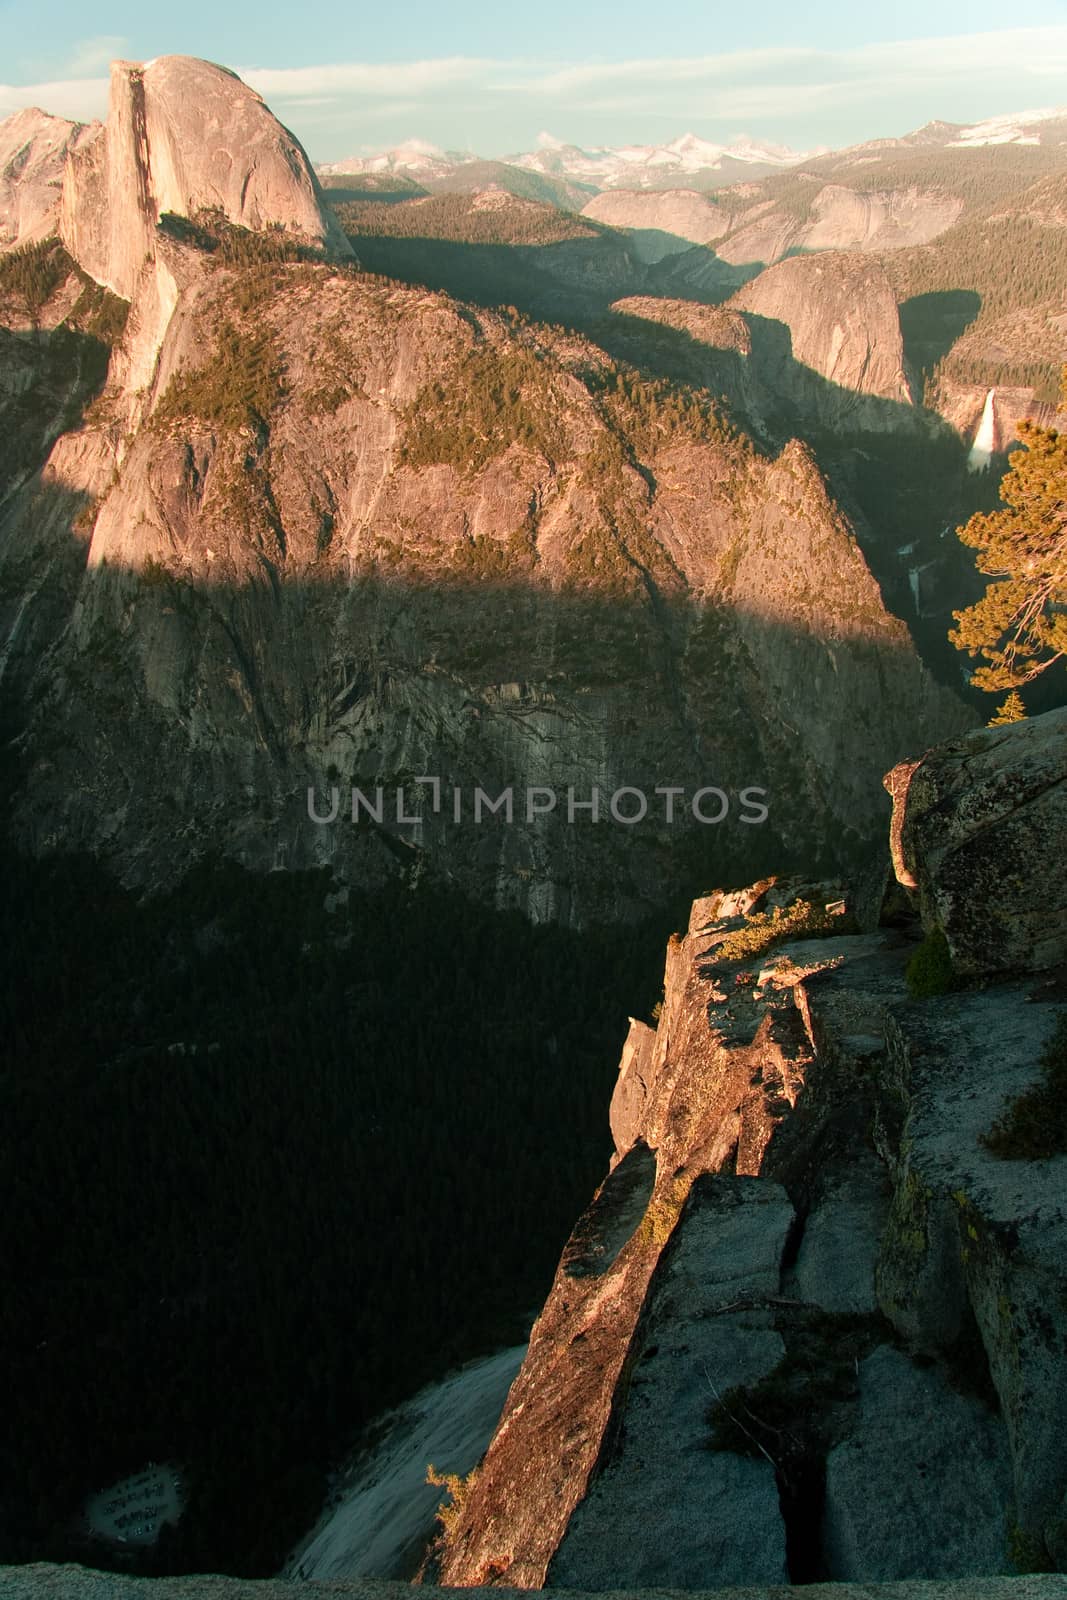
x,y
686,162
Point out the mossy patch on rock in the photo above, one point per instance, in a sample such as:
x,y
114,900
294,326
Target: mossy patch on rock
x,y
929,971
1034,1127
764,929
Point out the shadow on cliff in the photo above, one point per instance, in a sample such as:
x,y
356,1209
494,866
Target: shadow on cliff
x,y
897,470
227,1073
565,281
491,275
931,323
60,370
200,712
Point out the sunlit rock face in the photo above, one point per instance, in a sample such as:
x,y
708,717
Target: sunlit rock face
x,y
830,321
322,531
184,136
841,219
806,1292
663,223
33,156
345,590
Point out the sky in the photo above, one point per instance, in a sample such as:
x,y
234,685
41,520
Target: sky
x,y
349,78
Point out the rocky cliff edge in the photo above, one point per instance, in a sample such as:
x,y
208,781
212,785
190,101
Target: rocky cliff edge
x,y
812,1326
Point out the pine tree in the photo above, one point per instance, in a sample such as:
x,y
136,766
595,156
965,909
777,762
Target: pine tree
x,y
1012,710
1020,624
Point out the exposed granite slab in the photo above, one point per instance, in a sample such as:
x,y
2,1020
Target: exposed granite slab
x,y
980,828
665,1510
920,1486
41,1582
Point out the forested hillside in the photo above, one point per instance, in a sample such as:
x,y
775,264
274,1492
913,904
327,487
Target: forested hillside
x,y
272,1167
1013,266
487,218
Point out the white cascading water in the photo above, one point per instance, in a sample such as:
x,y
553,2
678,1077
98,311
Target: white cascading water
x,y
386,1510
985,440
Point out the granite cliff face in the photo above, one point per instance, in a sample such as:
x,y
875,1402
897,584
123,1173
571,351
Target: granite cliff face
x,y
829,332
397,566
812,345
33,157
969,823
662,223
811,1326
183,136
840,218
319,530
834,217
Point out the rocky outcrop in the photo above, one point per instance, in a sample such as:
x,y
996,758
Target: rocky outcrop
x,y
826,332
714,1097
880,1512
713,326
972,825
709,346
832,1345
635,1526
33,155
184,136
971,1260
53,362
750,358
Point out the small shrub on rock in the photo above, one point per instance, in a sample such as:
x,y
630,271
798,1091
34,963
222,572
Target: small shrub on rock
x,y
929,971
764,929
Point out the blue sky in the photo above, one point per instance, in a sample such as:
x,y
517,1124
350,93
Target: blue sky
x,y
348,77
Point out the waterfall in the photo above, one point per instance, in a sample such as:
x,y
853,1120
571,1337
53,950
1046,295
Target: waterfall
x,y
985,440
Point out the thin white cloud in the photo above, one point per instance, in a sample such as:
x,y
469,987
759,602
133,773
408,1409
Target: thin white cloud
x,y
772,87
943,59
356,78
749,85
79,99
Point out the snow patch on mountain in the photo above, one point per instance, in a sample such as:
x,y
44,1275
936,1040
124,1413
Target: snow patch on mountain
x,y
1019,127
413,158
607,166
640,164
